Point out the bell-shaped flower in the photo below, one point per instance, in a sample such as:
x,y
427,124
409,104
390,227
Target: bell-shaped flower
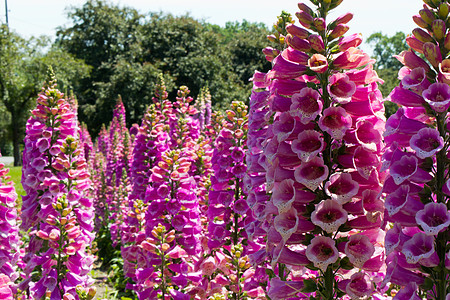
x,y
322,252
5,289
286,223
433,218
287,127
308,145
397,200
341,88
426,142
306,105
352,58
364,76
335,121
392,238
399,275
365,161
283,195
405,97
360,286
416,80
408,292
279,289
353,40
420,246
291,257
438,96
329,215
368,134
312,173
412,60
359,249
407,168
341,187
318,63
444,70
285,69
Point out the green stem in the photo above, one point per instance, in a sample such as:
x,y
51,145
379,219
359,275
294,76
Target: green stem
x,y
441,276
329,283
440,161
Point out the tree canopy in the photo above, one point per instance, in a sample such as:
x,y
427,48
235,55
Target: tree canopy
x,y
128,50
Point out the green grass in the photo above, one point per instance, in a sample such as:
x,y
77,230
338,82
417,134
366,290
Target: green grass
x,y
16,174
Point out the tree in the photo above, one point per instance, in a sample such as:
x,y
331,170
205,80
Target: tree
x,y
23,67
127,51
387,66
104,36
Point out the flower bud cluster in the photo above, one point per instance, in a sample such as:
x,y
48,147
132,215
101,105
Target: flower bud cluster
x,y
172,217
150,142
227,266
57,210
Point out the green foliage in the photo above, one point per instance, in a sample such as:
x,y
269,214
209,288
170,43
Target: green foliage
x,y
16,175
385,47
127,50
22,71
387,66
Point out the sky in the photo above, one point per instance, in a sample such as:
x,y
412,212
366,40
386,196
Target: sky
x,y
42,17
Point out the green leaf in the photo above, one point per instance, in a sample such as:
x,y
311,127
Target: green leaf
x,y
428,284
310,286
346,264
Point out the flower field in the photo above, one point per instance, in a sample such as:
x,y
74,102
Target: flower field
x,y
305,191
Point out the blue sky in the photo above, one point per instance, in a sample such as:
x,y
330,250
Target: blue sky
x,y
41,17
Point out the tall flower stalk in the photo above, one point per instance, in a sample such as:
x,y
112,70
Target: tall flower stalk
x,y
227,265
9,239
322,162
417,140
57,209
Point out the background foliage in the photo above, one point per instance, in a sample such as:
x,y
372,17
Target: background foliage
x,y
112,52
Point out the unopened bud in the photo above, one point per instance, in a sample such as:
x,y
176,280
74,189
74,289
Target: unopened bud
x,y
298,44
438,27
304,18
429,3
272,38
443,10
335,3
422,35
339,31
306,8
427,15
414,44
91,293
170,238
447,41
432,53
343,19
420,22
165,247
66,211
319,23
316,42
297,31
